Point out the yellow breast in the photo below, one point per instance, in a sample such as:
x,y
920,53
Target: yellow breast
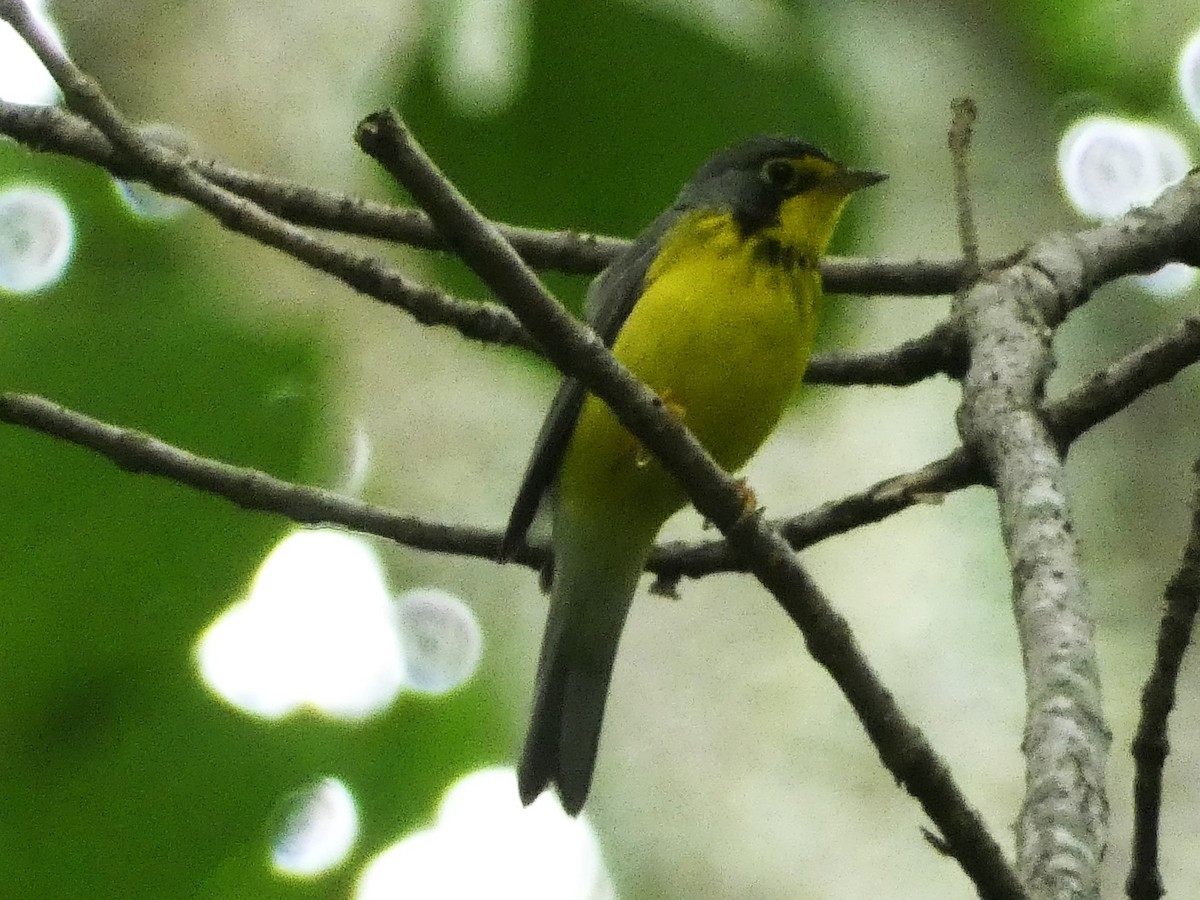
x,y
722,332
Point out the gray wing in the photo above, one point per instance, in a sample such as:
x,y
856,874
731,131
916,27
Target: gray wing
x,y
610,299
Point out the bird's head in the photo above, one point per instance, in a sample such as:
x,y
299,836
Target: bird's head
x,y
777,187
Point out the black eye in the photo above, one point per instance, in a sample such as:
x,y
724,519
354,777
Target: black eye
x,y
780,173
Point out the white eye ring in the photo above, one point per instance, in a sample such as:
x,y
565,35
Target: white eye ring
x,y
780,173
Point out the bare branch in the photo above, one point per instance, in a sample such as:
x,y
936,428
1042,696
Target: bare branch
x,y
47,128
1062,829
959,140
716,495
171,172
1100,397
1083,408
1150,745
939,351
137,452
1111,390
1009,318
681,559
1010,438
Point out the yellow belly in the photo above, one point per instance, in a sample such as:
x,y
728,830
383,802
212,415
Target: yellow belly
x,y
724,339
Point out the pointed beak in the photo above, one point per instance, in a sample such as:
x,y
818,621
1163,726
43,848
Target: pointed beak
x,y
850,180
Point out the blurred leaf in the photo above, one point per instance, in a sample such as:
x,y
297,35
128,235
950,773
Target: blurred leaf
x,y
122,776
619,108
1111,48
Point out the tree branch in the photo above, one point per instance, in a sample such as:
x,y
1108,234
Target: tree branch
x,y
1006,320
133,451
1111,390
1061,832
269,209
1098,398
940,351
48,128
1009,319
1150,744
140,453
959,141
1062,829
172,173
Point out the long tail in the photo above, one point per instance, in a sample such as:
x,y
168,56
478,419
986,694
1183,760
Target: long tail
x,y
589,602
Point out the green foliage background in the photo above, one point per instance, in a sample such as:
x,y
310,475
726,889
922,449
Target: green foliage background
x,y
120,775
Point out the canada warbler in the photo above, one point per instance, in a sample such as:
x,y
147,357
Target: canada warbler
x,y
713,307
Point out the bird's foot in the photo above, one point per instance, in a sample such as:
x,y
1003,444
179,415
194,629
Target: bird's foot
x,y
750,505
643,456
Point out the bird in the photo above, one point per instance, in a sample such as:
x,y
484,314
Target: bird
x,y
714,307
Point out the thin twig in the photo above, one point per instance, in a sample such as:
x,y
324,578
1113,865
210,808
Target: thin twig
x,y
137,452
167,170
940,351
683,559
937,352
1150,744
1114,388
48,128
1096,400
1083,408
902,747
959,140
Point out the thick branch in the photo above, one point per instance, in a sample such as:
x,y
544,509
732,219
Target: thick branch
x,y
1150,745
1009,319
1061,832
1062,829
1009,322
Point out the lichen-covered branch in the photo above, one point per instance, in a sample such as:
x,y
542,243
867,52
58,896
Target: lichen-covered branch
x,y
1062,827
1009,319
